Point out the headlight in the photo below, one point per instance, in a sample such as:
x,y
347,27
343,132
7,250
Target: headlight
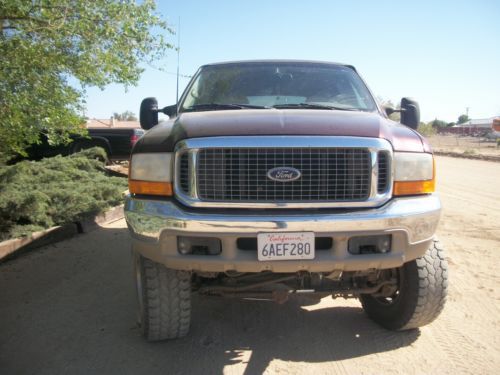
x,y
151,174
413,173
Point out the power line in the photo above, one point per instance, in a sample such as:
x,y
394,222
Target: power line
x,y
169,73
174,74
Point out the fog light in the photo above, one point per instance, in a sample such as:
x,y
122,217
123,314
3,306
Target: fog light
x,y
370,244
198,245
183,246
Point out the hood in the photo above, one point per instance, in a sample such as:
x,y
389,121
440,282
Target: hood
x,y
243,122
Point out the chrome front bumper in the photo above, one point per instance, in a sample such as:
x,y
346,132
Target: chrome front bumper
x,y
155,224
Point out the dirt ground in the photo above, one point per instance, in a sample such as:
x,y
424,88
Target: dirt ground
x,y
70,308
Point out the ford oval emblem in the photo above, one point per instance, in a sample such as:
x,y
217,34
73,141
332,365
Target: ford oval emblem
x,y
284,174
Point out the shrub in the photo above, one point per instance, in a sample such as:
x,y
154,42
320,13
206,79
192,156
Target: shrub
x,y
426,129
55,191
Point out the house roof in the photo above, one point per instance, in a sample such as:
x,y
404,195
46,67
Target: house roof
x,y
111,123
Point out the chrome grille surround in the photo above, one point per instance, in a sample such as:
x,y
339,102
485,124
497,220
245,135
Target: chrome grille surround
x,y
188,192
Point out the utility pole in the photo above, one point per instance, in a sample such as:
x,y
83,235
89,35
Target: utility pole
x,y
178,59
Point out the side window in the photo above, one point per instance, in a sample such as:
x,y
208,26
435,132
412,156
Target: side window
x,y
192,95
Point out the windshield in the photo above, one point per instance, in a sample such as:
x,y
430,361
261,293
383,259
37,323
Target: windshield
x,y
281,85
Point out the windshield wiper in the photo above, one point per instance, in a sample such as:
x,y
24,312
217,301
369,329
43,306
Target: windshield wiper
x,y
313,106
211,106
251,106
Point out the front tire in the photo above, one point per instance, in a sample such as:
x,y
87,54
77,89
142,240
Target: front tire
x,y
421,295
164,300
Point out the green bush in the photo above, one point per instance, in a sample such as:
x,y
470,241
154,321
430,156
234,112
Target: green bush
x,y
426,129
55,191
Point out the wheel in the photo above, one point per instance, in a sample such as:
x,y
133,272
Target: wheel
x,y
85,145
82,145
421,294
78,147
164,300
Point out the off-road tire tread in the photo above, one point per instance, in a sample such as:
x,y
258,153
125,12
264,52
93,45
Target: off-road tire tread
x,y
167,301
432,288
426,287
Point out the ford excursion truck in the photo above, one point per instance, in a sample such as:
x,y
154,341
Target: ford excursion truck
x,y
277,178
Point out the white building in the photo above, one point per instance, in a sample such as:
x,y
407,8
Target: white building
x,y
481,123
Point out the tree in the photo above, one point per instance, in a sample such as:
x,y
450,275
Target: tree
x,y
439,123
125,116
462,119
53,49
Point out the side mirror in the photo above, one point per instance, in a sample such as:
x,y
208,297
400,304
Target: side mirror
x,y
410,113
170,111
148,115
389,110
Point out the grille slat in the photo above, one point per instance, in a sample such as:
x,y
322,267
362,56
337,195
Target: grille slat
x,y
184,172
240,174
383,172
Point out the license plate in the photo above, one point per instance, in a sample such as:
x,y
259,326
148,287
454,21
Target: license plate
x,y
285,246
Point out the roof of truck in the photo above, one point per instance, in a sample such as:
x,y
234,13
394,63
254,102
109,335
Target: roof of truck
x,y
281,61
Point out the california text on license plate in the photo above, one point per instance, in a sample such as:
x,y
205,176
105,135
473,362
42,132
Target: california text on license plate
x,y
285,246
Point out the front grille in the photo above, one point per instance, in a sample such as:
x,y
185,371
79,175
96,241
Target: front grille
x,y
240,174
383,172
184,172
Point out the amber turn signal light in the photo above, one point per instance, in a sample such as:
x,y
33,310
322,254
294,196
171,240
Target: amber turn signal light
x,y
414,187
150,187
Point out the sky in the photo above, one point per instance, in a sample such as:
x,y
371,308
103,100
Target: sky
x,y
445,54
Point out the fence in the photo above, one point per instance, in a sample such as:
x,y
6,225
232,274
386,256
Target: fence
x,y
464,143
472,131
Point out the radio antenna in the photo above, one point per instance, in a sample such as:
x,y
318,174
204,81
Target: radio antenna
x,y
178,59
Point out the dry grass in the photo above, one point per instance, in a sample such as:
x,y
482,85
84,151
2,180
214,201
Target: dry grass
x,y
464,145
